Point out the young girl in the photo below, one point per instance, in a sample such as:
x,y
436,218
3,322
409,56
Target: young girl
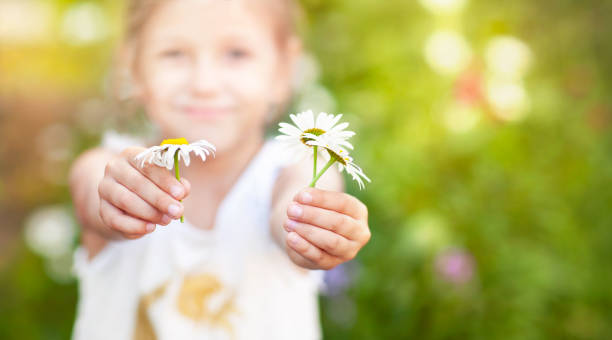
x,y
243,265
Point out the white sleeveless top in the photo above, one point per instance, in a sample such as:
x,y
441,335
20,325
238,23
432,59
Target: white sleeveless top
x,y
180,282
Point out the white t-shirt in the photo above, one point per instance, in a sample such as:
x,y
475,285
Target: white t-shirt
x,y
180,282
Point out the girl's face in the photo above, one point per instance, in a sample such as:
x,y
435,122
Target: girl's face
x,y
211,69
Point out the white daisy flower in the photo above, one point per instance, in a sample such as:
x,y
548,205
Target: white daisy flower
x,y
163,154
337,153
171,151
305,123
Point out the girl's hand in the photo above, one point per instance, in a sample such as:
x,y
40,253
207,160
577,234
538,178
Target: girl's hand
x,y
133,199
325,228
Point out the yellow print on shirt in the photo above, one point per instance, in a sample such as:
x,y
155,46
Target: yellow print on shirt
x,y
201,298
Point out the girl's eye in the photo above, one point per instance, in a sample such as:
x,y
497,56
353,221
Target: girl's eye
x,y
172,54
237,53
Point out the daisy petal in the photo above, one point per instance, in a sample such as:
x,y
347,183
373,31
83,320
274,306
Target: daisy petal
x,y
322,121
340,126
184,154
335,120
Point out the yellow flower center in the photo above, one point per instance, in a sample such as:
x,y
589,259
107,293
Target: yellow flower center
x,y
339,157
175,141
314,131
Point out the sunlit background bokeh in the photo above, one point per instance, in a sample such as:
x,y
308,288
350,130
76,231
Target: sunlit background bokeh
x,y
485,126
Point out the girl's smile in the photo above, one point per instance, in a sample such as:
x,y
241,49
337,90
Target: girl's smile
x,y
205,110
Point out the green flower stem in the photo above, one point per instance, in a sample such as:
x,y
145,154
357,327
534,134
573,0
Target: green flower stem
x,y
177,175
314,168
314,180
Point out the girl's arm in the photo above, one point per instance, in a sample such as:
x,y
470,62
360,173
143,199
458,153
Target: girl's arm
x,y
318,227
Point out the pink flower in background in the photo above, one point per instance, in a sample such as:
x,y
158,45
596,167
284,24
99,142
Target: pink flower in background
x,y
468,87
455,266
337,280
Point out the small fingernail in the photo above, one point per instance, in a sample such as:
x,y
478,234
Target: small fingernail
x,y
174,210
293,238
150,227
295,210
176,191
291,224
166,219
305,197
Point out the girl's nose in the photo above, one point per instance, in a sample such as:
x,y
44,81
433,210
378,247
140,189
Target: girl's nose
x,y
205,79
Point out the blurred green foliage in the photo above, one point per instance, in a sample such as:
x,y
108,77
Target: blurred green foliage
x,y
529,200
33,305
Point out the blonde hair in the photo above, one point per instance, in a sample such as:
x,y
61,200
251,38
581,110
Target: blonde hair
x,y
285,13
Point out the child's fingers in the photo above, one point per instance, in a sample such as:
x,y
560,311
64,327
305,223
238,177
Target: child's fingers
x,y
129,226
324,239
160,176
186,185
164,180
127,201
331,220
310,252
132,179
300,260
332,200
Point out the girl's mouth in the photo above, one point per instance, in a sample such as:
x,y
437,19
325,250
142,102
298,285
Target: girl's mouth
x,y
206,112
